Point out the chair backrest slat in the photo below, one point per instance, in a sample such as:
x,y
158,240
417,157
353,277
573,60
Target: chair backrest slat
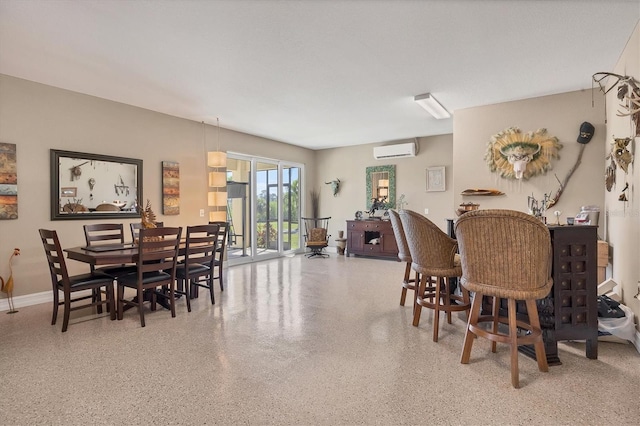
x,y
103,232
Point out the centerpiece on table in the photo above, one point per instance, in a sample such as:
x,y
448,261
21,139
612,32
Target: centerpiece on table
x,y
148,219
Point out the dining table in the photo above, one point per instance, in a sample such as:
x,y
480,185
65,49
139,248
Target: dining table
x,y
113,254
105,254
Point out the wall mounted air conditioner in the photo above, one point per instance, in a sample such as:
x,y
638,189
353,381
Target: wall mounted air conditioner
x,y
394,151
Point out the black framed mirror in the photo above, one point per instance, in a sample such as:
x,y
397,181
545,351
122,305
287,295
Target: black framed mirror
x,y
93,186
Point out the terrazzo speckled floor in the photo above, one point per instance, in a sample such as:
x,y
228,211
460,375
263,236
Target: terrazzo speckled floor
x,y
296,341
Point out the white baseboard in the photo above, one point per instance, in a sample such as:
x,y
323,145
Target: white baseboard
x,y
27,300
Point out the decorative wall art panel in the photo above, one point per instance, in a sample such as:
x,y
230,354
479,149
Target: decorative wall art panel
x,y
8,181
170,188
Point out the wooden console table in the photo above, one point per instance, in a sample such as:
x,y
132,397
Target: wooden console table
x,y
360,234
570,311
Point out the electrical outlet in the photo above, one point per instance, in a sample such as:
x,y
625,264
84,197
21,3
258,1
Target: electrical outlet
x,y
201,212
426,211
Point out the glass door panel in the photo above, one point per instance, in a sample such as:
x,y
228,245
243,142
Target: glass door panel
x,y
239,209
290,208
267,209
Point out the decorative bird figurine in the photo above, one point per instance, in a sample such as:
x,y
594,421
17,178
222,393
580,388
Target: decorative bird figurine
x,y
7,286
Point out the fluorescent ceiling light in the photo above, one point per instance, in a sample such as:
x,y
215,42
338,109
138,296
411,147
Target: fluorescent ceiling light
x,y
433,107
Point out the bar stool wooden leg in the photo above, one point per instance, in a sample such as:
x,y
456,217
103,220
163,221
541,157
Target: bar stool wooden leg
x,y
418,307
495,313
466,299
407,278
436,314
416,288
513,342
447,297
469,336
534,320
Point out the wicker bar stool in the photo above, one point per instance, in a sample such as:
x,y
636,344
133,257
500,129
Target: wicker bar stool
x,y
404,255
505,254
433,254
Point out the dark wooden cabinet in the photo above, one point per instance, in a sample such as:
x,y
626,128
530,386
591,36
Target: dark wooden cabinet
x,y
570,312
361,234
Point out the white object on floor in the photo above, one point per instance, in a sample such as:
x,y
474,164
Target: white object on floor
x,y
623,328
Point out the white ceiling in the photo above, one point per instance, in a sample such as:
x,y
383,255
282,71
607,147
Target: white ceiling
x,y
317,74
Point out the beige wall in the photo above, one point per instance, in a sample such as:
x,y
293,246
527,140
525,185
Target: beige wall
x,y
561,115
38,118
349,165
623,218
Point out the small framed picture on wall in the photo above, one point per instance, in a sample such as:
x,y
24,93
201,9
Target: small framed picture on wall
x,y
435,178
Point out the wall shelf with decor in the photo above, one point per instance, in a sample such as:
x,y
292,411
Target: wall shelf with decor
x,y
482,192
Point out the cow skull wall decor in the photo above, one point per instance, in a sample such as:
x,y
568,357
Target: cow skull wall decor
x,y
335,186
517,155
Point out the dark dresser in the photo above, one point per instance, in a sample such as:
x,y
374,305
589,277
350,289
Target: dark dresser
x,y
361,234
570,312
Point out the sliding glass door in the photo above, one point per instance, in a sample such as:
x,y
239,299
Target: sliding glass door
x,y
264,208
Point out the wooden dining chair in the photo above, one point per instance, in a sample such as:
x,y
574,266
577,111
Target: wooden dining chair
x,y
155,270
197,268
223,233
62,282
107,233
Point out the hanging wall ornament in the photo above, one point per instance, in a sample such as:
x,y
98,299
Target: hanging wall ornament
x,y
620,153
610,175
628,93
623,195
517,155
